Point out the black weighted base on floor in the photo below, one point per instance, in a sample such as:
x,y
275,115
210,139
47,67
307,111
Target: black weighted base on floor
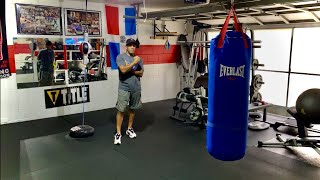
x,y
81,131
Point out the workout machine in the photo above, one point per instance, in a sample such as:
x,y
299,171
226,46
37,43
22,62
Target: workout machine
x,y
99,64
306,112
198,114
196,100
256,79
28,66
192,99
256,102
96,64
314,143
194,58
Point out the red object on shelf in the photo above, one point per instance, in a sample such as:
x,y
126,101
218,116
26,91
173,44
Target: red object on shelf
x,y
65,56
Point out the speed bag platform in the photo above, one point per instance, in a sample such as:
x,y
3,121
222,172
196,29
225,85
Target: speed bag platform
x,y
228,96
81,131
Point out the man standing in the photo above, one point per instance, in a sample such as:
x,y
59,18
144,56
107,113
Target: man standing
x,y
46,58
130,69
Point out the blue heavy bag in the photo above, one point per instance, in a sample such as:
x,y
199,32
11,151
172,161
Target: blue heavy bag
x,y
228,96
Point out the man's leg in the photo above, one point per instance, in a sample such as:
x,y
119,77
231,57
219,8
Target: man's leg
x,y
131,118
52,79
119,121
122,102
41,79
135,103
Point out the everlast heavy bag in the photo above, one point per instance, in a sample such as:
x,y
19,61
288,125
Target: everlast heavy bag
x,y
228,96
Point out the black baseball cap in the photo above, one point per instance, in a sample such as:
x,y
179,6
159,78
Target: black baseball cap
x,y
131,41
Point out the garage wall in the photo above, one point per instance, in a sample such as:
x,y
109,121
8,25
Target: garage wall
x,y
303,72
275,55
161,72
305,62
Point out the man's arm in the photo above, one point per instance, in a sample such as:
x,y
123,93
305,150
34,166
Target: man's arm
x,y
124,67
140,73
40,55
53,56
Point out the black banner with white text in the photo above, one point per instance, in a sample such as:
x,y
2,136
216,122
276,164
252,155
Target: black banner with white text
x,y
66,96
4,60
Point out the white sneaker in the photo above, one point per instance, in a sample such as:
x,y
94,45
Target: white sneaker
x,y
117,139
131,133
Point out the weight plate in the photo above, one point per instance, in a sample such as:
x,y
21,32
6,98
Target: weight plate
x,y
255,63
195,114
256,97
257,82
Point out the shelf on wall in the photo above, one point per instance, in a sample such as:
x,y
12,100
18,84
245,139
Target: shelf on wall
x,y
61,70
68,60
162,34
166,34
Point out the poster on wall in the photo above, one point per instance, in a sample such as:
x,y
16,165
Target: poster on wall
x,y
66,96
76,22
4,62
38,20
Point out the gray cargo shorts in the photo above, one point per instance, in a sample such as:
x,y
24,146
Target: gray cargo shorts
x,y
128,99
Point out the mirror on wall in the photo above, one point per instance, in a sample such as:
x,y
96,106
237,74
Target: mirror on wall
x,y
67,67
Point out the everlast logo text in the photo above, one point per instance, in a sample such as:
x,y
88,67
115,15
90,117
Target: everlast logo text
x,y
67,96
231,71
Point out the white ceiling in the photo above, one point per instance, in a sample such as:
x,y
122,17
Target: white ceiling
x,y
151,5
268,13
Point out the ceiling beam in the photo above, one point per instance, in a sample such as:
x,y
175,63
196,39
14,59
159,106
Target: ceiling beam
x,y
257,19
216,6
289,6
261,11
280,26
284,19
315,17
197,9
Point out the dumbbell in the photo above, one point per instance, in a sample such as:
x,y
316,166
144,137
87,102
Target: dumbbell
x,y
256,64
257,82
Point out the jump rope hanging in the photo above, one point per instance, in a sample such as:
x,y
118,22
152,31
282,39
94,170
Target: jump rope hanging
x,y
230,59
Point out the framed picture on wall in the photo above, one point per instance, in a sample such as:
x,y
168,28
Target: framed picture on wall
x,y
76,21
38,20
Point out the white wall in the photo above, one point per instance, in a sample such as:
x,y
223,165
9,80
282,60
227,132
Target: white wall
x,y
305,56
28,104
299,84
275,51
305,59
275,55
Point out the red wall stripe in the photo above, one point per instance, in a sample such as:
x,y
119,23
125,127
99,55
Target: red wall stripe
x,y
22,49
151,54
155,54
12,62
